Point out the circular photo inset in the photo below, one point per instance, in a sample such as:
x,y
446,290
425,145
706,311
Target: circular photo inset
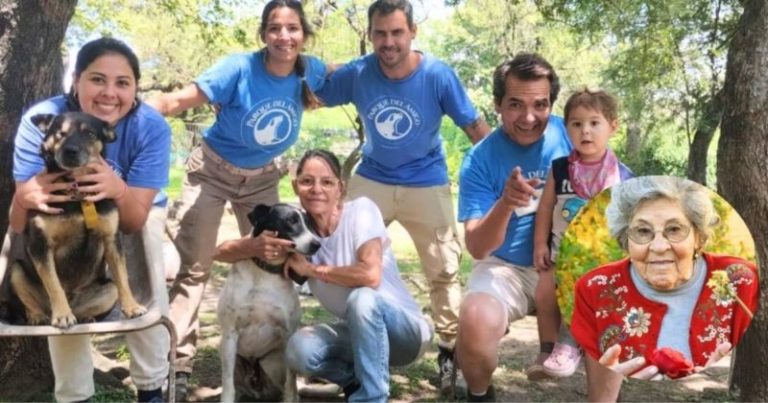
x,y
657,267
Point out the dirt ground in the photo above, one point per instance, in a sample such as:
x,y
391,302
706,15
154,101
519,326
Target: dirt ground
x,y
419,381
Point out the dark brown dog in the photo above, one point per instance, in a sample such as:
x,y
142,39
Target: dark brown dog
x,y
63,279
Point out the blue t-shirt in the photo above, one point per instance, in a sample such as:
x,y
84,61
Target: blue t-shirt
x,y
260,113
140,153
485,170
402,117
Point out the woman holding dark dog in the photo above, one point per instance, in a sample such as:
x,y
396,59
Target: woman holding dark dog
x,y
354,275
259,97
133,173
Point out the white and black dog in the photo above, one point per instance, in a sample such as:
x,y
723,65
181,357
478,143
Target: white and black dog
x,y
259,310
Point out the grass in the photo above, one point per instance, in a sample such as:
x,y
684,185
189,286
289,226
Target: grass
x,y
110,394
176,179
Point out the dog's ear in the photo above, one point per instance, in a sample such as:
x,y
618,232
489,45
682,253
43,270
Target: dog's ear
x,y
256,216
107,134
43,121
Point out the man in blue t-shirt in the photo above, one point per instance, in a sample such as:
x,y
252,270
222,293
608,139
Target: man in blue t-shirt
x,y
401,96
499,184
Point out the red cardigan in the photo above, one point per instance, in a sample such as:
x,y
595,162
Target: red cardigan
x,y
609,310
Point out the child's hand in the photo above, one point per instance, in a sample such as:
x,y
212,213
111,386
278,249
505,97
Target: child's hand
x,y
541,258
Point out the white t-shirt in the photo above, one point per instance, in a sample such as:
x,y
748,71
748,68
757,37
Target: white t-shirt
x,y
360,222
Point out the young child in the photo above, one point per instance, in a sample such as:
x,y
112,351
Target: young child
x,y
591,119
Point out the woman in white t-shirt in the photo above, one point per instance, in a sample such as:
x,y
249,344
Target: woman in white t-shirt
x,y
354,275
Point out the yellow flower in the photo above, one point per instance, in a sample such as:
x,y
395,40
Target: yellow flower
x,y
724,292
721,285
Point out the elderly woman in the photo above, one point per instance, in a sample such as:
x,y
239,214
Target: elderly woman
x,y
668,309
354,275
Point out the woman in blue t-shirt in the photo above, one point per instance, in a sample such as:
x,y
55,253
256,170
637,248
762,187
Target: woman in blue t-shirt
x,y
132,173
259,98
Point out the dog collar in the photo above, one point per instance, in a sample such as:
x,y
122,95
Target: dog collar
x,y
278,269
270,268
90,215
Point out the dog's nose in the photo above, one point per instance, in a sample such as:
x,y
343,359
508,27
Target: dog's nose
x,y
70,156
70,153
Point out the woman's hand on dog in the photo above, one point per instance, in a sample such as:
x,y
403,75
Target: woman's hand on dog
x,y
37,192
269,247
103,182
266,247
298,263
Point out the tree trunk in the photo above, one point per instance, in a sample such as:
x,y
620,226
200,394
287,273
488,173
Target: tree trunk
x,y
634,142
742,176
705,130
31,33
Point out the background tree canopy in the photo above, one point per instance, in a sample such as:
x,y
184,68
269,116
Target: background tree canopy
x,y
664,60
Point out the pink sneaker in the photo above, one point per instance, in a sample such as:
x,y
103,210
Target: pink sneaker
x,y
563,361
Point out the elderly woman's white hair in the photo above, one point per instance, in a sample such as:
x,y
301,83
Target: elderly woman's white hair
x,y
693,198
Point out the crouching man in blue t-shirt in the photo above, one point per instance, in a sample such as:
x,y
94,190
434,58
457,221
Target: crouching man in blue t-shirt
x,y
401,95
500,182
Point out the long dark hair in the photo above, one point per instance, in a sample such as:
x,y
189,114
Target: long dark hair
x,y
308,98
94,50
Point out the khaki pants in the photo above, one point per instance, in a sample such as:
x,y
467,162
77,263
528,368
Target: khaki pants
x,y
427,214
71,355
209,184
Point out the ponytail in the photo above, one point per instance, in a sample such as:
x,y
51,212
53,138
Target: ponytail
x,y
308,98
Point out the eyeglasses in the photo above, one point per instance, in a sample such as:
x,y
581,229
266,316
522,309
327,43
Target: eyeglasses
x,y
643,234
308,182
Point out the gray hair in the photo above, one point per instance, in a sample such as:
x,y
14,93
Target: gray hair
x,y
693,198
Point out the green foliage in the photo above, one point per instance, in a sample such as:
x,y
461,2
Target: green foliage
x,y
659,155
455,144
176,176
122,354
474,45
666,63
664,60
731,236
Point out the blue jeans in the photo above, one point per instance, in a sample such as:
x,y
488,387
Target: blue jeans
x,y
374,335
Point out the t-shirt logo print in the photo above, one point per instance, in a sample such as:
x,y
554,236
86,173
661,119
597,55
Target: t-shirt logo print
x,y
269,128
393,123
